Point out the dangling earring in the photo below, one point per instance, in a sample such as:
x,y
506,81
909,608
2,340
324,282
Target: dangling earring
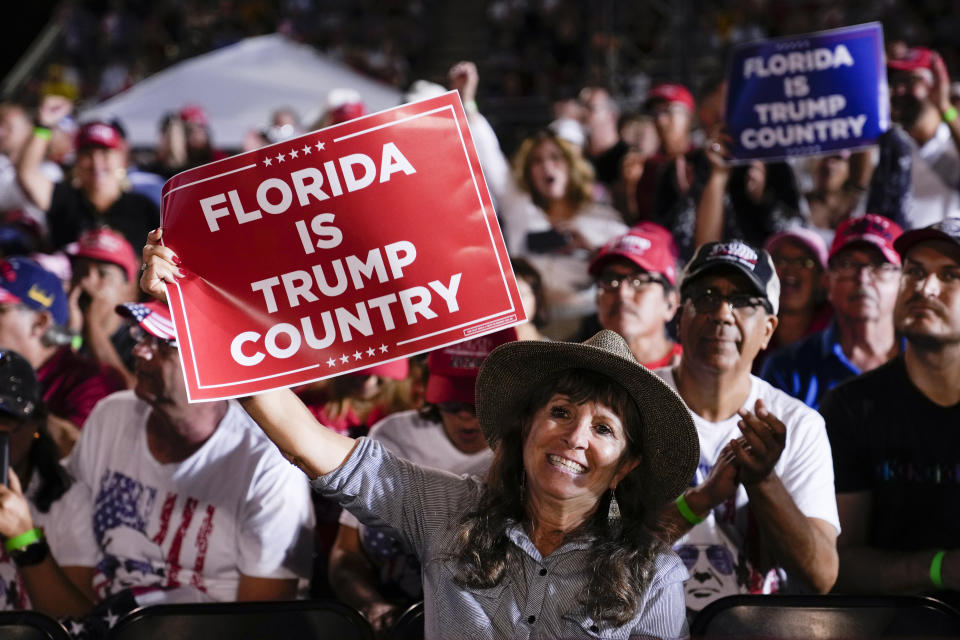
x,y
613,511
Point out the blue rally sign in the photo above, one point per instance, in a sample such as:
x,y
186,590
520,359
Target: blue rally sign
x,y
808,94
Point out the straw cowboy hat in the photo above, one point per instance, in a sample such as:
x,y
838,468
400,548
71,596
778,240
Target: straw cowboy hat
x,y
668,438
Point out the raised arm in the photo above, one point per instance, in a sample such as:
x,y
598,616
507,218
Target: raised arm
x,y
37,186
282,416
941,97
708,225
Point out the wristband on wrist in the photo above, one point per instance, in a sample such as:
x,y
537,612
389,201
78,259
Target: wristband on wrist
x,y
44,132
950,115
25,539
686,511
76,342
936,569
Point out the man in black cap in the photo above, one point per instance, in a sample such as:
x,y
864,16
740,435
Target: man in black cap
x,y
895,440
762,505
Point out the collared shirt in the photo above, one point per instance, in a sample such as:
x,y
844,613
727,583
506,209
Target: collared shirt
x,y
538,597
810,367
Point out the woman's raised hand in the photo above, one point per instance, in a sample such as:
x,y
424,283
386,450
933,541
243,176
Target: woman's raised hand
x,y
160,265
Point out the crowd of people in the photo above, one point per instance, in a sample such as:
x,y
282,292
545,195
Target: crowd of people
x,y
733,378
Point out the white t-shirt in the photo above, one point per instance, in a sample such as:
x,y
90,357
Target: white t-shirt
x,y
423,442
235,506
723,552
13,592
934,180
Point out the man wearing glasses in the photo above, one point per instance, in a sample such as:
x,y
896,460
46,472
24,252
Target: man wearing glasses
x,y
895,436
863,276
635,276
181,502
767,495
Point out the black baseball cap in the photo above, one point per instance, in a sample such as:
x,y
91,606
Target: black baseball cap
x,y
947,229
755,264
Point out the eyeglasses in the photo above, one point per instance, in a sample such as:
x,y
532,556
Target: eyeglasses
x,y
852,268
804,263
150,340
743,304
611,282
457,407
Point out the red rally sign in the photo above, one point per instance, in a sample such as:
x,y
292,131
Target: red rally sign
x,y
358,244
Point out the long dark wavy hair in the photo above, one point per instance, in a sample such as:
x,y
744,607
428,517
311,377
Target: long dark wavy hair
x,y
622,552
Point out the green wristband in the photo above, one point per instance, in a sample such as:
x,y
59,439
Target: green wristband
x,y
76,342
936,567
950,115
686,511
25,539
43,132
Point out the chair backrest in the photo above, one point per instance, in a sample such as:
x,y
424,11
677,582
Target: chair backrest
x,y
30,625
291,620
409,624
814,617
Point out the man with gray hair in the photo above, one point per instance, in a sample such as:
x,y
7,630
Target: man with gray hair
x,y
762,508
33,317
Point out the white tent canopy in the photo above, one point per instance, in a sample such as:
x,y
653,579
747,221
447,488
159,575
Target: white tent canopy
x,y
239,87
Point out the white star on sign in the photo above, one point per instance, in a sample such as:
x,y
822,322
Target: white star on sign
x,y
293,153
76,627
306,149
320,146
371,352
331,362
267,162
357,355
280,157
383,348
344,359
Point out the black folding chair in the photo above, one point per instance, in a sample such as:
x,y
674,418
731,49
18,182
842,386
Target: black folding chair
x,y
409,625
815,617
291,620
30,625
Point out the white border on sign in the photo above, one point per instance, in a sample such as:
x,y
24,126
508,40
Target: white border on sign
x,y
486,219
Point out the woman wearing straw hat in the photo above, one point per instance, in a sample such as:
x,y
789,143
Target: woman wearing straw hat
x,y
588,446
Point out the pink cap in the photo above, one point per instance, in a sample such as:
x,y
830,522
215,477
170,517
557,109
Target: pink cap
x,y
871,229
106,245
647,245
454,368
98,134
671,93
810,239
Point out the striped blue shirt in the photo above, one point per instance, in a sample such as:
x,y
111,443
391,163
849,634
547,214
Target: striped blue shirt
x,y
538,597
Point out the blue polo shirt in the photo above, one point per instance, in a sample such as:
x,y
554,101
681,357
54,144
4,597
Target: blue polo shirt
x,y
810,367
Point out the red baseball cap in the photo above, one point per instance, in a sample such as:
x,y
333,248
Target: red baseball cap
x,y
454,368
913,59
871,229
808,238
106,245
98,134
647,245
671,93
194,114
